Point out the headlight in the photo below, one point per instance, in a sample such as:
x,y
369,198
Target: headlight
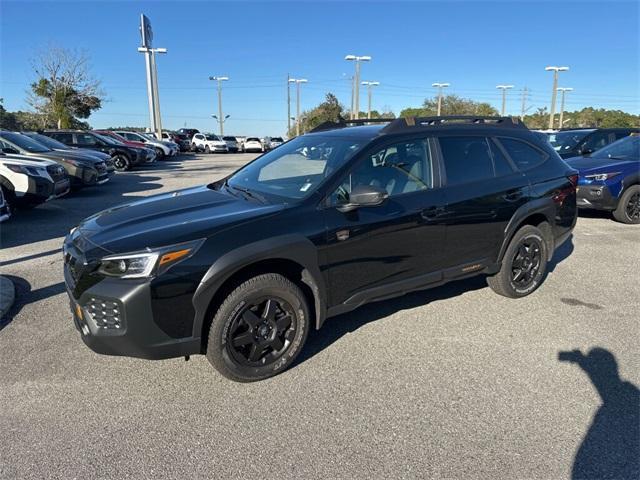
x,y
75,163
148,263
601,177
24,169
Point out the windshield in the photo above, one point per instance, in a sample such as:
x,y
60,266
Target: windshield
x,y
108,139
625,148
212,137
253,139
24,142
277,139
229,139
566,141
48,141
296,169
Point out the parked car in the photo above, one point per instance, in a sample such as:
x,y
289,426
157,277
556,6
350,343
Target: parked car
x,y
28,181
253,144
124,157
189,132
83,170
241,141
61,147
584,141
149,152
162,150
232,144
174,148
610,179
5,210
209,143
183,141
242,268
274,142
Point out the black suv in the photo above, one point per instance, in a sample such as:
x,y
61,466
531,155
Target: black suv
x,y
241,269
124,156
576,142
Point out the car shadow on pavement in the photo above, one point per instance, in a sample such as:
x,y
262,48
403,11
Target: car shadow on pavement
x,y
336,327
561,254
54,219
25,296
611,447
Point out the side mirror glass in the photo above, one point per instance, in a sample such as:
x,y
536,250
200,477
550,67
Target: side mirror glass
x,y
364,196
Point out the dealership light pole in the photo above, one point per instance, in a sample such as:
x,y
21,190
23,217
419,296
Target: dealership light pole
x,y
298,81
220,117
356,81
288,104
504,89
555,71
440,86
370,86
563,90
152,74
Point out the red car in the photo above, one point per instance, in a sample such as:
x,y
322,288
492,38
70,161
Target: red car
x,y
151,154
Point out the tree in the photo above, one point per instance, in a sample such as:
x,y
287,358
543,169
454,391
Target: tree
x,y
587,117
7,119
64,89
328,111
451,105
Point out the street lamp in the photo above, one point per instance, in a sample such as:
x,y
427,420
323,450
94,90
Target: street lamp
x,y
440,86
555,71
297,81
563,90
370,86
220,118
152,87
356,81
504,89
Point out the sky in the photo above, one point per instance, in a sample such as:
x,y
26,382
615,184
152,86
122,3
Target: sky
x,y
474,46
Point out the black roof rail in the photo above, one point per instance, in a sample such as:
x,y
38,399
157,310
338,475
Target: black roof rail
x,y
402,124
343,123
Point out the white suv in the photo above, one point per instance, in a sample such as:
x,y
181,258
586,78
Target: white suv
x,y
163,149
209,143
30,181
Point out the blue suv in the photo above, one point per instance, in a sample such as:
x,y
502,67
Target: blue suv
x,y
610,179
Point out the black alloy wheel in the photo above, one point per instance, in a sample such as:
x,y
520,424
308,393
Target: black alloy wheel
x,y
628,209
526,262
261,332
632,208
120,162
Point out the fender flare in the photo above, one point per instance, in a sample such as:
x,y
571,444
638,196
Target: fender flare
x,y
296,248
629,180
6,183
543,206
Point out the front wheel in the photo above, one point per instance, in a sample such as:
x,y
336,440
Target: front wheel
x,y
121,163
628,210
207,149
259,329
159,153
524,265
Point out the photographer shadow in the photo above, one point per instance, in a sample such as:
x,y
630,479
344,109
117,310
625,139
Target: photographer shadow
x,y
611,446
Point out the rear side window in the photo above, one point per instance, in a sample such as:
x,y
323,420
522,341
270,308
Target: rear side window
x,y
523,155
501,164
466,159
65,138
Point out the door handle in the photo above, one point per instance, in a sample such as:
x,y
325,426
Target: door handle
x,y
432,213
513,195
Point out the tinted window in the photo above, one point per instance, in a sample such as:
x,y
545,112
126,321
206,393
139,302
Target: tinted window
x,y
564,142
626,148
65,138
500,163
596,141
466,159
24,142
399,168
47,141
523,155
85,139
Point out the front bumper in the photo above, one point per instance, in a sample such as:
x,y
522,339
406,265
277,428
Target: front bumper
x,y
596,197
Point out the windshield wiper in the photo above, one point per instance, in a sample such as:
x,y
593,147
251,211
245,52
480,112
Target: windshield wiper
x,y
247,192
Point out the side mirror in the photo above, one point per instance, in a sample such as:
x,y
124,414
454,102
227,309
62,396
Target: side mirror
x,y
364,196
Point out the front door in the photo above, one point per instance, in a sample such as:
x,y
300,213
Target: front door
x,y
371,249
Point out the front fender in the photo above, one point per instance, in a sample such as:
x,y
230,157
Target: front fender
x,y
296,248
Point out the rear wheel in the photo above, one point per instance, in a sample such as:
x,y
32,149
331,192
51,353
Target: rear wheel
x,y
524,265
159,153
207,149
628,210
259,329
121,162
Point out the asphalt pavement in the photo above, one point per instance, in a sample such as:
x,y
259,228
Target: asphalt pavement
x,y
454,382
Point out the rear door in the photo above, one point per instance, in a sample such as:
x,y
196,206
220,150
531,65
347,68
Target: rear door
x,y
371,251
484,189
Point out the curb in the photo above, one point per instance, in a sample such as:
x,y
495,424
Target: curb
x,y
7,295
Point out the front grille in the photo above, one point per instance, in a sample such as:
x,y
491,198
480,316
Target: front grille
x,y
105,313
56,172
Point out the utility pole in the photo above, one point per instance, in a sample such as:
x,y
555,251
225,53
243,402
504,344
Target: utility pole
x,y
440,86
353,96
555,71
221,119
524,101
288,104
563,90
370,86
153,95
504,89
297,81
356,81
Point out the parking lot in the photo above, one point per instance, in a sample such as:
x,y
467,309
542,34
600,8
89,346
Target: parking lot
x,y
454,382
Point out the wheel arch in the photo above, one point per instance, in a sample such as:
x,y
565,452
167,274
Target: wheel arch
x,y
289,255
538,214
6,183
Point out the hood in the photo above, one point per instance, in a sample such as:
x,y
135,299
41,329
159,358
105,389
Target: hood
x,y
76,155
27,161
586,165
169,218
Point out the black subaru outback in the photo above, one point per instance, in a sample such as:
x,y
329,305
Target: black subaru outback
x,y
241,269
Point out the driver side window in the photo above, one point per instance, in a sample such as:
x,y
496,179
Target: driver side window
x,y
402,167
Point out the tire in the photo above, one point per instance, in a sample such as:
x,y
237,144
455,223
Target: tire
x,y
207,149
121,162
9,199
529,249
255,315
628,210
159,153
